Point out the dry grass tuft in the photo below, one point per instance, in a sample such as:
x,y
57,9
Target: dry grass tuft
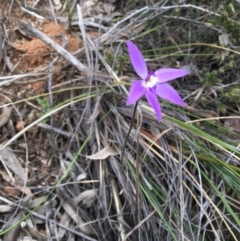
x,y
63,122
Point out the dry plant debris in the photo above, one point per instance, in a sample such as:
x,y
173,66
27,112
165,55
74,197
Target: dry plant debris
x,y
34,54
59,152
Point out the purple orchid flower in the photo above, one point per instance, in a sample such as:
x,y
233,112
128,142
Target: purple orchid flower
x,y
152,84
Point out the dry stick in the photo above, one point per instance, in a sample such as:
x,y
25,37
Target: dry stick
x,y
83,32
138,226
37,33
40,216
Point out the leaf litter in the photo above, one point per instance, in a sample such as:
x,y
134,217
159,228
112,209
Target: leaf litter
x,y
96,199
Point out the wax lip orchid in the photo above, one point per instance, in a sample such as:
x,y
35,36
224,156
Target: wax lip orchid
x,y
152,83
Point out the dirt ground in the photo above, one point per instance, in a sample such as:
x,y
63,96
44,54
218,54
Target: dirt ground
x,y
65,76
29,69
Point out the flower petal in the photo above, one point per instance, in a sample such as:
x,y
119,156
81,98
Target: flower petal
x,y
168,74
153,101
137,60
167,92
136,92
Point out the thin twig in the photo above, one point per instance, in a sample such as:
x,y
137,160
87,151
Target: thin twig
x,y
38,215
83,32
37,33
138,226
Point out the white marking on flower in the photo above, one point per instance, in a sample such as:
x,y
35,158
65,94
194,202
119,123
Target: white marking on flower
x,y
152,81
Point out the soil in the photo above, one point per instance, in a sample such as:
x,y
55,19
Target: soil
x,y
24,54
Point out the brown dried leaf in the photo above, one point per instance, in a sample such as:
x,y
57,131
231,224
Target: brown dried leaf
x,y
87,197
77,219
58,4
41,206
5,115
13,234
108,7
34,231
5,208
104,153
8,179
23,189
65,220
38,201
12,162
5,176
88,6
20,125
224,41
11,191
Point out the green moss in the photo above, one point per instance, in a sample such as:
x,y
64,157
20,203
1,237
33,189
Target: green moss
x,y
209,79
202,100
221,109
230,95
109,57
116,62
45,105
